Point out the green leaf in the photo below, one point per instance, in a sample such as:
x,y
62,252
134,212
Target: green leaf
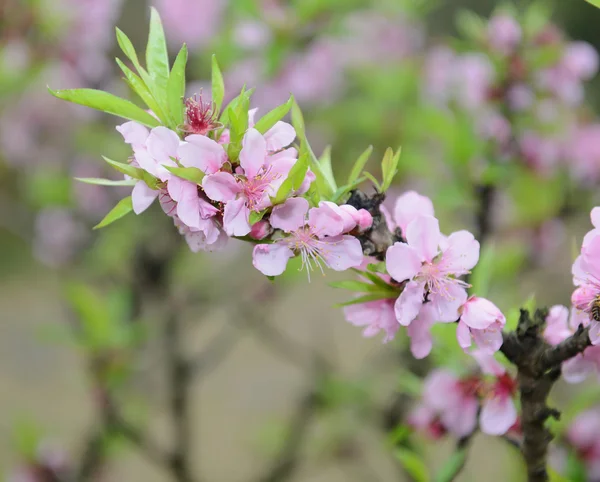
x,y
377,281
375,182
379,295
106,182
342,191
157,57
256,216
353,285
128,169
359,165
470,25
326,169
389,167
123,207
413,464
141,89
483,272
218,85
105,102
293,181
129,51
452,466
271,118
176,87
595,3
188,173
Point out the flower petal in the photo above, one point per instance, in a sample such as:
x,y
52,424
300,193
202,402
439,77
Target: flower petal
x,y
462,253
595,217
279,136
253,154
236,218
142,197
342,252
419,332
409,302
480,313
594,333
448,301
162,144
463,335
577,369
271,259
220,186
410,206
423,234
498,414
291,215
186,195
203,153
461,420
489,340
402,261
133,133
326,220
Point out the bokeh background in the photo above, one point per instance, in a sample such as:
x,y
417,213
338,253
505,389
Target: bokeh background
x,y
81,309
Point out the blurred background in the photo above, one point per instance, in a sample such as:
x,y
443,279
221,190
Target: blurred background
x,y
281,386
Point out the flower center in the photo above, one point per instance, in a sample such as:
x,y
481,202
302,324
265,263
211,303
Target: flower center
x,y
437,280
199,116
254,189
312,250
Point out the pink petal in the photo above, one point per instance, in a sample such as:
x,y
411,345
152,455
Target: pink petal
x,y
594,333
577,369
402,261
342,252
362,314
441,389
498,414
326,220
579,274
220,186
480,313
186,195
462,253
595,217
162,144
389,220
488,364
236,218
149,164
463,335
489,340
253,153
203,153
462,420
271,259
252,116
133,133
421,341
557,328
409,302
279,136
291,215
142,197
207,210
423,234
447,303
410,206
590,258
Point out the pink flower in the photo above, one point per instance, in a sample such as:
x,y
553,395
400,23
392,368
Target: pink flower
x,y
258,178
559,327
375,316
583,152
317,235
504,33
586,276
498,411
407,208
583,437
580,59
482,321
431,266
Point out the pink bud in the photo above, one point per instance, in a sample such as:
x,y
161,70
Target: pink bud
x,y
260,230
480,313
364,220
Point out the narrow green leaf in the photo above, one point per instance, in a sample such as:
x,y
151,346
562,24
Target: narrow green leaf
x,y
176,87
342,191
271,118
128,169
141,89
595,3
298,121
157,57
106,182
353,285
413,464
105,102
123,207
376,280
294,180
256,216
389,168
129,51
452,466
189,173
375,182
326,169
359,165
379,295
218,85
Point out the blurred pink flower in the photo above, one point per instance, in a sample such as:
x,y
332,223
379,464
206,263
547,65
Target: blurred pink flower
x,y
375,316
480,321
504,33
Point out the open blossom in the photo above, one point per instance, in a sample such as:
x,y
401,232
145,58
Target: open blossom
x,y
559,327
374,316
408,207
316,234
481,321
261,173
431,265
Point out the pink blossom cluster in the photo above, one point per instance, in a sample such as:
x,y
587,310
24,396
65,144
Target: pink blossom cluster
x,y
209,212
544,125
458,405
582,437
426,268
